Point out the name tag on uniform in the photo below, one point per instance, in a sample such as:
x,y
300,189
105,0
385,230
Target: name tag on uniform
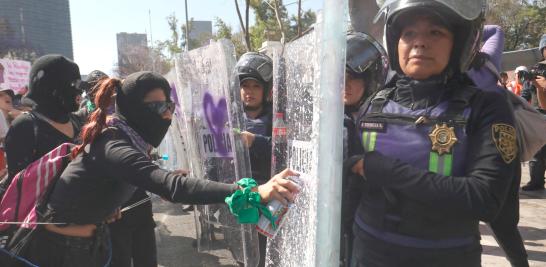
x,y
375,126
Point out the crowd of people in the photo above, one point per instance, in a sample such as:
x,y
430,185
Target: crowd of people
x,y
430,147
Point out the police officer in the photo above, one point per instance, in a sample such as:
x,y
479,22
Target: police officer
x,y
365,73
255,73
440,153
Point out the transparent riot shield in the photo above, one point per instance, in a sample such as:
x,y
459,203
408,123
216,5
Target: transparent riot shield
x,y
307,137
213,115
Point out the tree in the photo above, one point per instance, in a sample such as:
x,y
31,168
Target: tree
x,y
225,31
523,22
141,58
273,23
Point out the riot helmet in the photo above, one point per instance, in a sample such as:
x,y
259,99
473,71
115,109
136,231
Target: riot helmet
x,y
256,66
464,18
366,59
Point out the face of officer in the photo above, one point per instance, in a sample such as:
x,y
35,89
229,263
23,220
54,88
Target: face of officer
x,y
354,90
252,94
424,48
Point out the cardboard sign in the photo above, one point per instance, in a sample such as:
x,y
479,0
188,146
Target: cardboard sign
x,y
14,74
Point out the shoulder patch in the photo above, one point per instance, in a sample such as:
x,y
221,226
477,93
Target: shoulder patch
x,y
504,136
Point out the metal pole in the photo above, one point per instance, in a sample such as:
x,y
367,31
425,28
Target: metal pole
x,y
187,45
330,128
151,40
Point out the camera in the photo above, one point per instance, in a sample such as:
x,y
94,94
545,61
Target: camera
x,y
537,70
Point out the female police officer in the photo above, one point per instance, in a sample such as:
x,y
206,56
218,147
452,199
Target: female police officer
x,y
439,152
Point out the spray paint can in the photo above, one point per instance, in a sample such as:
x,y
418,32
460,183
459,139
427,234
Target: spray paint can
x,y
278,210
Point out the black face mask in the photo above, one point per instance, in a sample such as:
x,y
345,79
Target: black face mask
x,y
130,106
53,91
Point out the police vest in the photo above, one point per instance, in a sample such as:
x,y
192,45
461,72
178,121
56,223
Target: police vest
x,y
432,139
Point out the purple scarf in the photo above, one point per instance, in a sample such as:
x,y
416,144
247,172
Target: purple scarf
x,y
141,145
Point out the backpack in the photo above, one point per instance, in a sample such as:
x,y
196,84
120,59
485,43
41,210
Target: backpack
x,y
26,196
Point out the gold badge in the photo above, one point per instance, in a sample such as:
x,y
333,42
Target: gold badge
x,y
504,136
443,138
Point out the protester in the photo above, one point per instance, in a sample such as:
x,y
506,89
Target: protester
x,y
516,86
503,81
484,75
133,235
111,163
6,107
255,74
365,73
440,153
52,94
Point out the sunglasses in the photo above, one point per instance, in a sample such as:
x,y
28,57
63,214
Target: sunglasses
x,y
160,107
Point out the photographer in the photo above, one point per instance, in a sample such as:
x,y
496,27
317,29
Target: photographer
x,y
536,76
540,81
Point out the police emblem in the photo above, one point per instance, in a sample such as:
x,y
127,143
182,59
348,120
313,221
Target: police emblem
x,y
443,138
504,136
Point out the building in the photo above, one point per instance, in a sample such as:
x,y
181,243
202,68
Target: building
x,y
200,33
41,26
133,54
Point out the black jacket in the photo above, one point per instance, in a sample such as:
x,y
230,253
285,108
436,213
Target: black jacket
x,y
260,151
30,137
102,179
478,195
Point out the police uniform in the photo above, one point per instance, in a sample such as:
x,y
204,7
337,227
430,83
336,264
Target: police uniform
x,y
439,158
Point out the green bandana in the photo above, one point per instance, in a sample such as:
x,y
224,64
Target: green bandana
x,y
245,205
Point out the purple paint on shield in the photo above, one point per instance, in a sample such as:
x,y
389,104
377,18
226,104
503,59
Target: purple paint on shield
x,y
216,116
174,98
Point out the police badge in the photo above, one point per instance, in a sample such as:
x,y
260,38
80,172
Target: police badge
x,y
504,136
443,138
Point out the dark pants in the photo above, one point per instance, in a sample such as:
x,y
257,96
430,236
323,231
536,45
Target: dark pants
x,y
133,239
262,244
537,166
505,226
48,249
371,252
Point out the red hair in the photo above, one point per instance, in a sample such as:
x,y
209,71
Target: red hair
x,y
97,120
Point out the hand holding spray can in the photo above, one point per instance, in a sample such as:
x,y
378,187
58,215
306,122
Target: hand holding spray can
x,y
278,210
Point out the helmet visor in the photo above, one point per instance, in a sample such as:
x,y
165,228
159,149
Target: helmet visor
x,y
466,9
362,52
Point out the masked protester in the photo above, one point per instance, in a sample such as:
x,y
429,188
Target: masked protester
x,y
439,152
255,74
53,91
111,164
365,73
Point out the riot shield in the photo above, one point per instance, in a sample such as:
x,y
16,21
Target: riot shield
x,y
308,122
173,149
213,115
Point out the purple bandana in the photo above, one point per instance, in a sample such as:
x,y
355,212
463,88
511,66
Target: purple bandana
x,y
141,145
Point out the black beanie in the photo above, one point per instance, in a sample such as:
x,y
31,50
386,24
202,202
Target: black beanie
x,y
51,87
130,105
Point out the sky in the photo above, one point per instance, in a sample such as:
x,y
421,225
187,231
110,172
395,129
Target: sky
x,y
95,23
